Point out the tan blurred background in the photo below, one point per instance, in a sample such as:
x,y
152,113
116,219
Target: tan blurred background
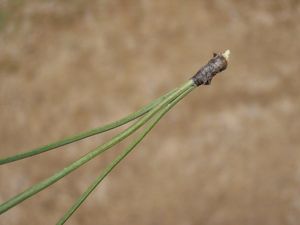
x,y
228,154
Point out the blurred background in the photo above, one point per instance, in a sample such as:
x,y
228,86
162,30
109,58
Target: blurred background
x,y
227,154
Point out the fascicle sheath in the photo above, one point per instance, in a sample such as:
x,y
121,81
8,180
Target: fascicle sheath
x,y
215,65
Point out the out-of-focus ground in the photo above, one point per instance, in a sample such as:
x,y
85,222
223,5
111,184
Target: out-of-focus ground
x,y
228,154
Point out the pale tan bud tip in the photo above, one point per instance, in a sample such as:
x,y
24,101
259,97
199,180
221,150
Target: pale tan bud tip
x,y
226,54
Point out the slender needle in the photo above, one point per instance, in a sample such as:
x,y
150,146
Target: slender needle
x,y
85,134
116,139
121,156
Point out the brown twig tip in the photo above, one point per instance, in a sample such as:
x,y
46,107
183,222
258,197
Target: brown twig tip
x,y
215,65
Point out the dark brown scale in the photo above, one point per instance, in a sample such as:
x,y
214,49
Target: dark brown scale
x,y
204,76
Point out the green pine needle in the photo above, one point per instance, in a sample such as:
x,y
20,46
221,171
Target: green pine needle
x,y
102,148
121,156
150,114
85,134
